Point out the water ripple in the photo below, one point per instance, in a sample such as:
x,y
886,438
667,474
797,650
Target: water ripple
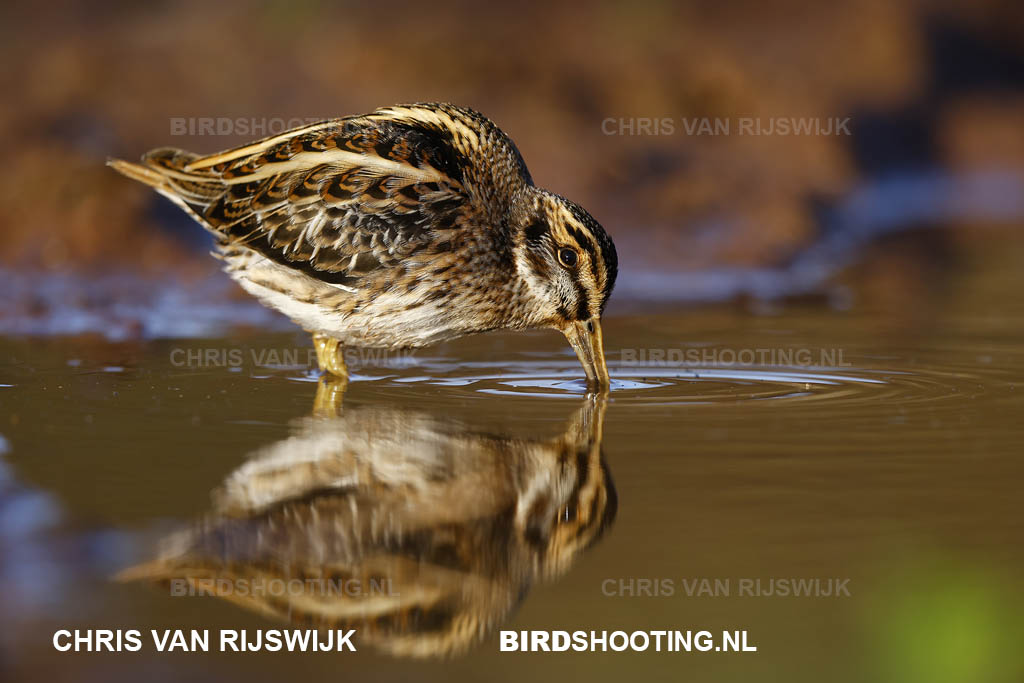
x,y
561,377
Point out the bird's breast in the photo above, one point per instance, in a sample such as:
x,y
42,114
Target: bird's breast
x,y
406,310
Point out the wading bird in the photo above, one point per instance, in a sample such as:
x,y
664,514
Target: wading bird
x,y
400,228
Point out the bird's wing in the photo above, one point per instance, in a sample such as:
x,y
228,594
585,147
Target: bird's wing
x,y
344,198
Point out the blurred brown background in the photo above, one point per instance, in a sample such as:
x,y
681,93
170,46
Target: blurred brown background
x,y
924,86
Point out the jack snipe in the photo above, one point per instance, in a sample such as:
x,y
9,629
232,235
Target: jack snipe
x,y
399,228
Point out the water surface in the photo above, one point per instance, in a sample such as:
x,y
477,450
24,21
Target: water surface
x,y
876,444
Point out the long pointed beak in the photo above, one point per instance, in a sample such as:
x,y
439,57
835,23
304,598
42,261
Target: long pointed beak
x,y
585,338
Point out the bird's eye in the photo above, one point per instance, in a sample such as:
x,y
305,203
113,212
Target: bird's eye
x,y
568,257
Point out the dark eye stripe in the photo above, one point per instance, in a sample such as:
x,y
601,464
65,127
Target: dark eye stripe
x,y
586,244
582,305
605,244
594,268
582,240
535,232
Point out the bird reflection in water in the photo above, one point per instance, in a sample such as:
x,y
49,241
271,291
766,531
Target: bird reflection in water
x,y
413,529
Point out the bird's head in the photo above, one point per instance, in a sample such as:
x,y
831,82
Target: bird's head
x,y
568,263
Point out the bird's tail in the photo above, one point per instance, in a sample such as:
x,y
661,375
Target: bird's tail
x,y
165,170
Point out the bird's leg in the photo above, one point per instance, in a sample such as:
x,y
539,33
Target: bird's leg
x,y
329,356
331,388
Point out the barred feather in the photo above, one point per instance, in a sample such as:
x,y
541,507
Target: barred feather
x,y
396,228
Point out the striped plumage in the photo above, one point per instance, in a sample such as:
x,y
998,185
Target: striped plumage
x,y
399,228
444,528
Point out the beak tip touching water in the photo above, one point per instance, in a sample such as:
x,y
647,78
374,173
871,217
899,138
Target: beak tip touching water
x,y
585,338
